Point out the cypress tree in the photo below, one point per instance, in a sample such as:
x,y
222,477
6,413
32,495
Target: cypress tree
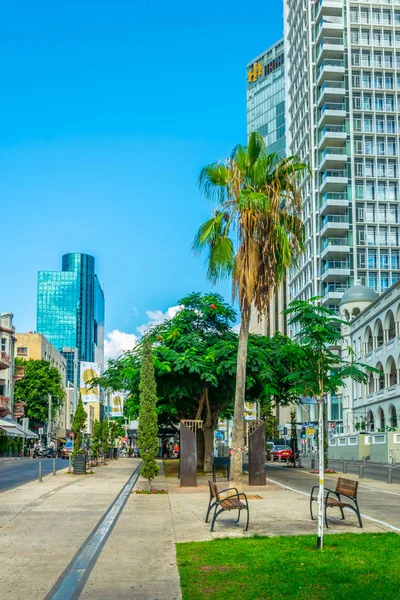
x,y
78,425
148,423
104,436
96,437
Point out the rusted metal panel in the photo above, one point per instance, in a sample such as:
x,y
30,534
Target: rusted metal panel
x,y
188,454
257,474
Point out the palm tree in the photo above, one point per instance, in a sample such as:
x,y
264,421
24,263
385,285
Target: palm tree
x,y
254,235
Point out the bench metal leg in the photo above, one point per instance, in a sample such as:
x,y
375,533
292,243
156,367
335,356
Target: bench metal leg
x,y
248,517
357,511
210,506
215,516
311,512
238,519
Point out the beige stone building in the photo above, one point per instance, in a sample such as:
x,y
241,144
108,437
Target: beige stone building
x,y
36,346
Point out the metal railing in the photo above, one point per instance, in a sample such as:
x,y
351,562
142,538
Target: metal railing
x,y
336,264
335,242
334,196
333,106
334,174
332,287
335,219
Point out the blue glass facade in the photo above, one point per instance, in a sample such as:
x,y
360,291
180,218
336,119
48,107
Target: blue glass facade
x,y
266,98
70,309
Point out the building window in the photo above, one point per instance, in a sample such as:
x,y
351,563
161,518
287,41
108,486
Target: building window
x,y
3,344
22,351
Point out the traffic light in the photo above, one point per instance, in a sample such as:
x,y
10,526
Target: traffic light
x,y
303,432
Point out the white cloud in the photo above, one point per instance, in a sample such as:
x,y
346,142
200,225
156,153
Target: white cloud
x,y
118,342
156,317
236,328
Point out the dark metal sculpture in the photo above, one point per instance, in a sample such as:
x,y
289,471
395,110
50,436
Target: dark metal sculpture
x,y
257,474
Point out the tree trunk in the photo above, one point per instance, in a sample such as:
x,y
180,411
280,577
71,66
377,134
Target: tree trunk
x,y
200,449
208,432
238,417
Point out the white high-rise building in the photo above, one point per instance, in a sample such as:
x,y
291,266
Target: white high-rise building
x,y
342,118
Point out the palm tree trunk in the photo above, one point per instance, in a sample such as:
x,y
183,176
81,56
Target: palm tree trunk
x,y
238,416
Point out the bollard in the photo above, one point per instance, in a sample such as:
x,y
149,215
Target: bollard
x,y
40,470
390,476
345,467
300,462
279,459
54,467
364,460
361,471
353,459
69,462
313,463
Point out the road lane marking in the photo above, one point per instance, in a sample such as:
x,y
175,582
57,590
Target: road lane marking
x,y
71,582
383,523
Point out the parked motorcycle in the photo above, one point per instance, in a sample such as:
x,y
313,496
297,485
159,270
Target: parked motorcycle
x,y
45,453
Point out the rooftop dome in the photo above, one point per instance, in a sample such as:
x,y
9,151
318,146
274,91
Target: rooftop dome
x,y
359,293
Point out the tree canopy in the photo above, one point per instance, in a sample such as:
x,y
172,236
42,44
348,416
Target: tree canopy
x,y
40,380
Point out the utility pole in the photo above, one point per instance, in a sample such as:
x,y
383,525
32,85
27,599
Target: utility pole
x,y
75,378
49,423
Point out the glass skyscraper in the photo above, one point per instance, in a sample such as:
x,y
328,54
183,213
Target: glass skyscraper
x,y
266,115
266,97
70,310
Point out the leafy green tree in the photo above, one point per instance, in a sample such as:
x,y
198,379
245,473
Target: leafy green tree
x,y
40,380
112,429
148,423
195,359
321,371
254,235
96,437
104,436
78,426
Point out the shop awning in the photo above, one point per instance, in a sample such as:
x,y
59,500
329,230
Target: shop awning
x,y
14,429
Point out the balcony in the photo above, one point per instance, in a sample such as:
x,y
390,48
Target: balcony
x,y
18,410
19,373
333,248
334,203
329,27
331,91
335,226
331,69
329,7
4,405
336,270
330,48
332,158
332,135
333,181
332,113
5,360
333,293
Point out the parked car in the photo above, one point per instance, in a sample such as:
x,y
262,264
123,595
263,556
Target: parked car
x,y
66,449
284,452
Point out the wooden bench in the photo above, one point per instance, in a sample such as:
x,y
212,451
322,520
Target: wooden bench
x,y
237,501
346,489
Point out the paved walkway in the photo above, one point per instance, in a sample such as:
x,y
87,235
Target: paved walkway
x,y
43,525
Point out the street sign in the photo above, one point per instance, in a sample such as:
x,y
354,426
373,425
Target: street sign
x,y
303,441
310,431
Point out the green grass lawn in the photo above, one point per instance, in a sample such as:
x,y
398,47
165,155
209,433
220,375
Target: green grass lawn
x,y
351,567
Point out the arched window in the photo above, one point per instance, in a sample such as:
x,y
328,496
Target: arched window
x,y
378,332
346,315
371,387
381,419
391,371
368,339
370,421
381,376
390,325
392,416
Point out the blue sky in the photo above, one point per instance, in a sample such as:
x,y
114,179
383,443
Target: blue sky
x,y
109,111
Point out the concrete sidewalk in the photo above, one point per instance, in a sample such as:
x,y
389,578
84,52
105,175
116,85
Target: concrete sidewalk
x,y
42,525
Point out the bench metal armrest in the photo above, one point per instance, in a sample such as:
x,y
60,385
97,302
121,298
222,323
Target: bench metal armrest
x,y
331,492
228,490
236,496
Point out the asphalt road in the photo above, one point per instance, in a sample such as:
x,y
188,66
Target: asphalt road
x,y
18,472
